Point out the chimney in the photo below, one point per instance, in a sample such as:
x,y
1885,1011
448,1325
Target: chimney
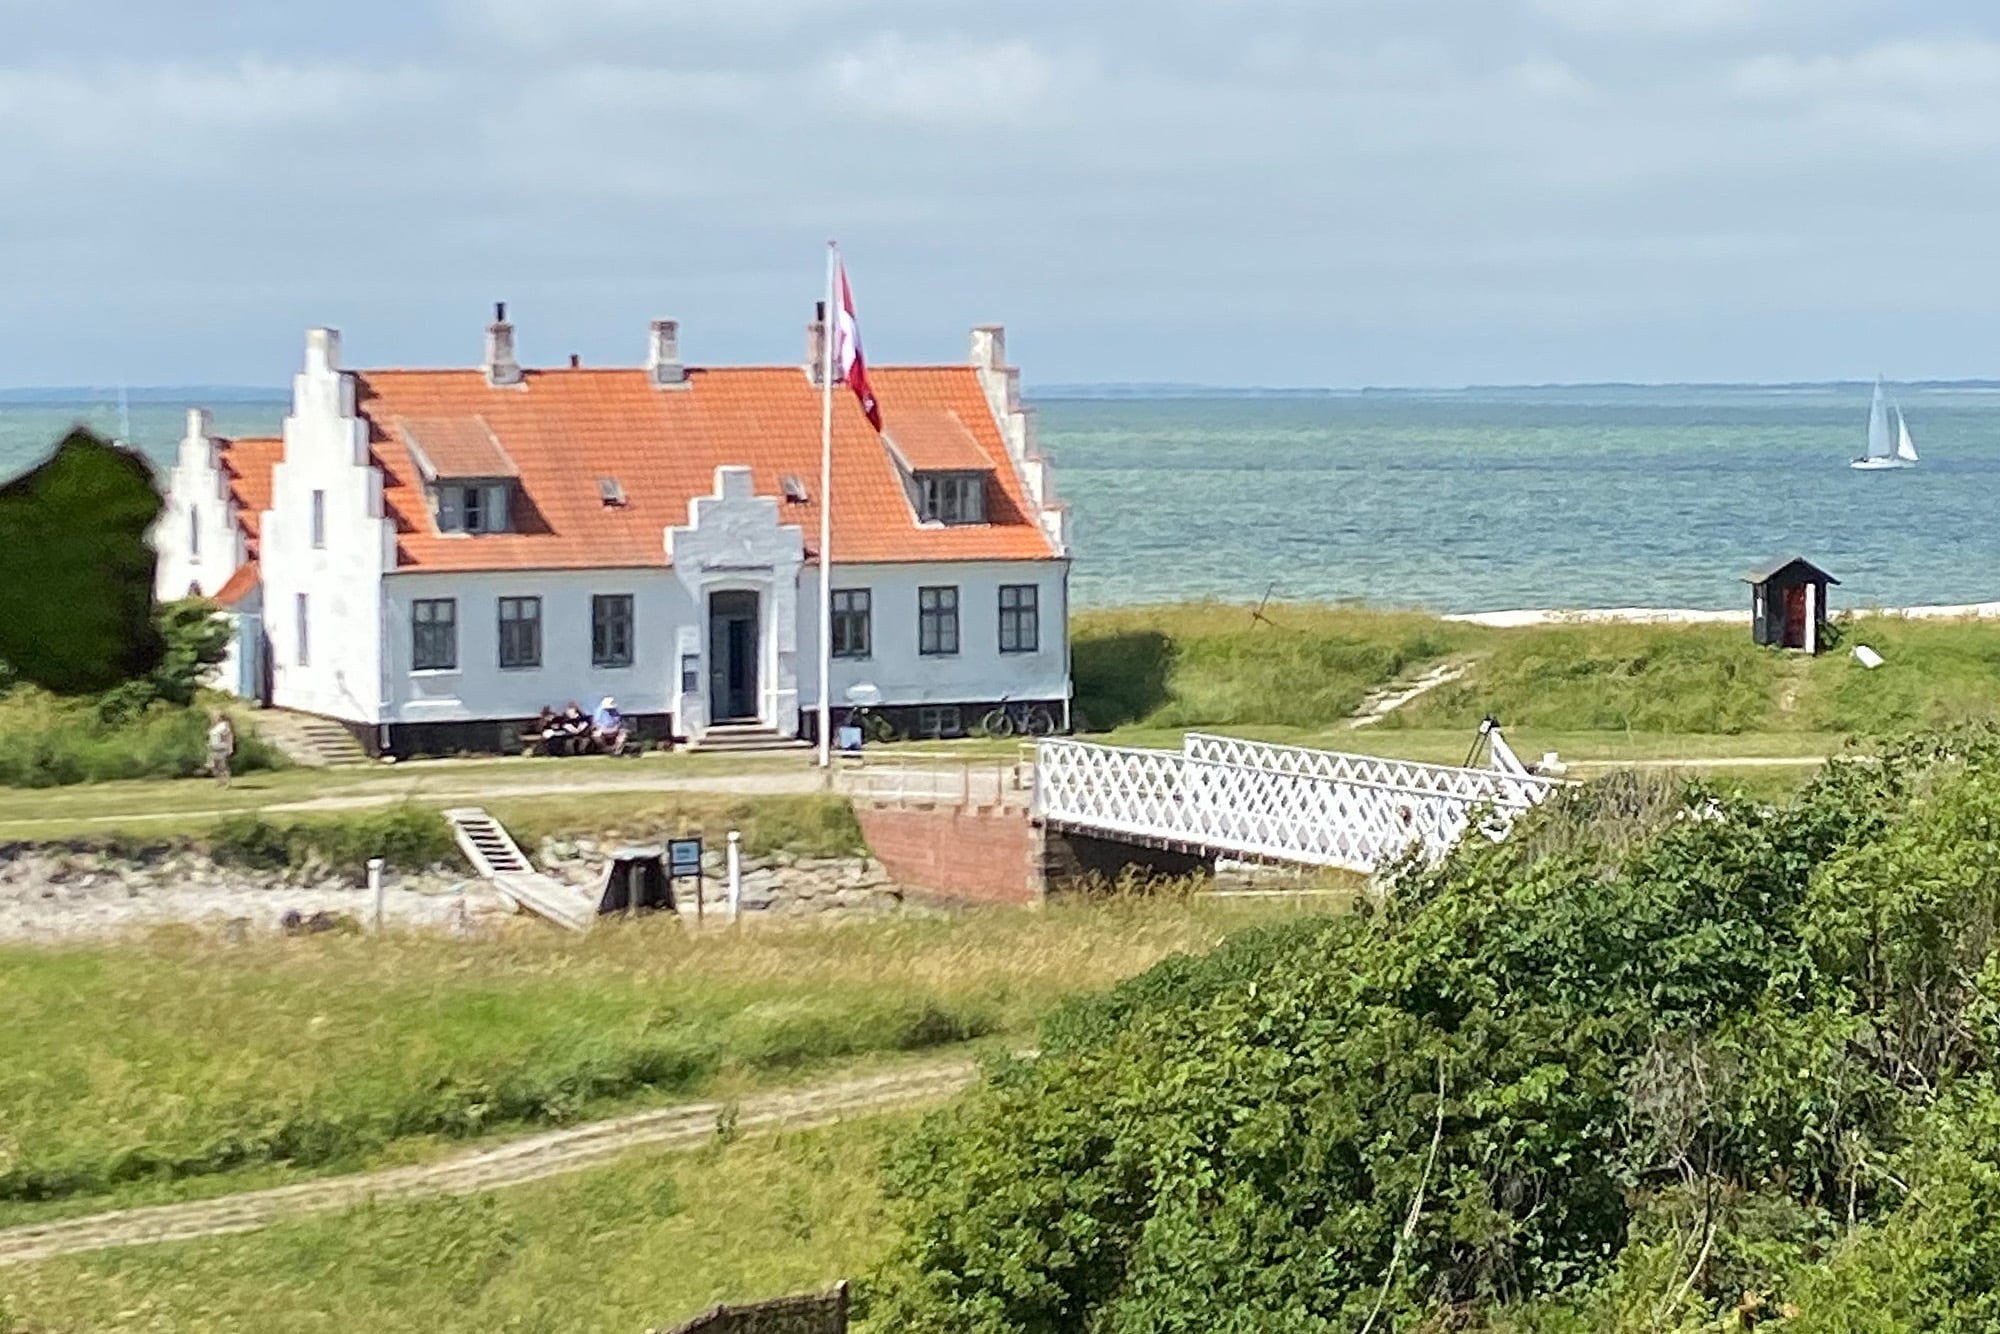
x,y
816,344
989,347
501,367
663,355
199,424
575,360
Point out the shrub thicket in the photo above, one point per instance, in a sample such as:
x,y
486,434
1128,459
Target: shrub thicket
x,y
1610,1074
408,836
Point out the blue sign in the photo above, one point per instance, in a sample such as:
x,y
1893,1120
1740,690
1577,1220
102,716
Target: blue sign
x,y
684,858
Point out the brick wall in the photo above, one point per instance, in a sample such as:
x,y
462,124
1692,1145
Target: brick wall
x,y
976,855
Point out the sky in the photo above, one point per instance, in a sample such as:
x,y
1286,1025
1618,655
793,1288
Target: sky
x,y
1278,192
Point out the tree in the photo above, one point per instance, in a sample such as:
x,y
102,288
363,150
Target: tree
x,y
76,569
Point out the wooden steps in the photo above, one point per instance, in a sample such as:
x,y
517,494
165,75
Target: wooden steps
x,y
500,861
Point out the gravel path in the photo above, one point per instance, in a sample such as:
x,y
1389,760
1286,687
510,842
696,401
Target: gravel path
x,y
511,1164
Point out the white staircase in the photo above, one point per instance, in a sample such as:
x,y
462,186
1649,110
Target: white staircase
x,y
495,856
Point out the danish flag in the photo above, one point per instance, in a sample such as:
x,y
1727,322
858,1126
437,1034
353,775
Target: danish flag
x,y
848,362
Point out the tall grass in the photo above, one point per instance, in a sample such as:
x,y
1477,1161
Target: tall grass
x,y
642,1244
53,742
179,1058
1219,665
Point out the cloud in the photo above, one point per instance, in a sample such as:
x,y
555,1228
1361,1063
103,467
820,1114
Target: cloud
x,y
1647,18
951,80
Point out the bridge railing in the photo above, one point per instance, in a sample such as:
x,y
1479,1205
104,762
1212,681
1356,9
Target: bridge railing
x,y
1284,803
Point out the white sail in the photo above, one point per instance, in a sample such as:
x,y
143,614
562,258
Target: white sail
x,y
1879,446
1906,448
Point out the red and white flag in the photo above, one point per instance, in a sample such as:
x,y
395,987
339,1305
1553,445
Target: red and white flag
x,y
848,362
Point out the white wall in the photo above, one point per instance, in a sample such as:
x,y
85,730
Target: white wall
x,y
197,496
979,672
326,448
479,688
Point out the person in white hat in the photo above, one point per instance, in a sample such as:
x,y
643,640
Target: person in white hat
x,y
609,727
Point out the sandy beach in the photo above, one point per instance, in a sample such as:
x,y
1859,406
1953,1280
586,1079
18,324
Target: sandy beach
x,y
1514,620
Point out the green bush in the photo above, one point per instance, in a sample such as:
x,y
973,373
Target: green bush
x,y
1624,1067
54,742
406,836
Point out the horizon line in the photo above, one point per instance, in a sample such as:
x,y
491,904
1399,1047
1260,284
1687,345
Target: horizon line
x,y
66,395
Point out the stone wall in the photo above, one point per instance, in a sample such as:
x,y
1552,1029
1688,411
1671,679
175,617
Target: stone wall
x,y
774,884
51,892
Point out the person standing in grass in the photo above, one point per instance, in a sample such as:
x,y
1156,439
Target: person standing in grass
x,y
221,746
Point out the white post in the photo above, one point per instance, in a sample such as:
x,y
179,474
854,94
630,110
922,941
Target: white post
x,y
375,887
829,335
1812,619
735,876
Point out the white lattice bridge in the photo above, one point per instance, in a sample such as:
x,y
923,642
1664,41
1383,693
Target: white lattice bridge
x,y
1233,798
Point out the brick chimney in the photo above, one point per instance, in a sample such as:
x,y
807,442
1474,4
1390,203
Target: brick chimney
x,y
501,365
816,344
663,355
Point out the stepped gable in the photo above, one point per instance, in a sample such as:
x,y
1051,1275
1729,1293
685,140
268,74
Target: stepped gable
x,y
567,431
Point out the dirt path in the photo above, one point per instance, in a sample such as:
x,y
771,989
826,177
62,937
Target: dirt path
x,y
511,1164
1387,700
784,782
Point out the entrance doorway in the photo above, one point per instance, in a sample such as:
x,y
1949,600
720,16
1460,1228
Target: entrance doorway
x,y
732,657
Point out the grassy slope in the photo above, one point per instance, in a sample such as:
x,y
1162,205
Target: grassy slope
x,y
123,1066
1212,665
1153,672
640,1244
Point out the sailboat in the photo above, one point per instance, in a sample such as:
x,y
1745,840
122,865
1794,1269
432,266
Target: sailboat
x,y
1886,448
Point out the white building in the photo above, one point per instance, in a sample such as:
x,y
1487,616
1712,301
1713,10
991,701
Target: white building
x,y
432,556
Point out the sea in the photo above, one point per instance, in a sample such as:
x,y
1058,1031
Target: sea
x,y
1454,501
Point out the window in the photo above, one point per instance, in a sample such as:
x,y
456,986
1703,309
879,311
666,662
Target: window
x,y
194,533
472,509
937,621
434,634
520,632
319,520
611,630
951,497
305,646
1020,618
939,720
850,622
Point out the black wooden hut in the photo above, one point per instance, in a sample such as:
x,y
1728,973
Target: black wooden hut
x,y
1788,603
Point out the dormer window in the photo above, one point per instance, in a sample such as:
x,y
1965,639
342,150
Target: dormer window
x,y
467,475
951,497
469,507
942,463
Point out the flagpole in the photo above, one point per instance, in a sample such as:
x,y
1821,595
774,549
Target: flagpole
x,y
829,322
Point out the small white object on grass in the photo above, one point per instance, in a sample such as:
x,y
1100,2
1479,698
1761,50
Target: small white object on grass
x,y
1867,657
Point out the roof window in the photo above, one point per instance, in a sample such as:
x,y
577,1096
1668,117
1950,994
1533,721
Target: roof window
x,y
795,490
612,492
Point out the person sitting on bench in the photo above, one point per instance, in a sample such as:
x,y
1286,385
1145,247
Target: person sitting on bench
x,y
608,727
541,735
574,729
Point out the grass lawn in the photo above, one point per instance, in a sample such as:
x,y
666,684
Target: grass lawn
x,y
126,1067
642,1243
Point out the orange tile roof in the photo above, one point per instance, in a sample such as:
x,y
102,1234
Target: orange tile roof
x,y
247,464
565,429
238,585
935,440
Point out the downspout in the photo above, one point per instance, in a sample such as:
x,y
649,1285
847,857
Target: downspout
x,y
1069,656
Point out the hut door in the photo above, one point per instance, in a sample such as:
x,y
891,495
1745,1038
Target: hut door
x,y
1795,616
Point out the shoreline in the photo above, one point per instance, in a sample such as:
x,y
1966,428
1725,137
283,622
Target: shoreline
x,y
1522,619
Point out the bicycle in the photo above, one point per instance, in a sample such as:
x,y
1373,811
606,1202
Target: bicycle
x,y
1015,719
